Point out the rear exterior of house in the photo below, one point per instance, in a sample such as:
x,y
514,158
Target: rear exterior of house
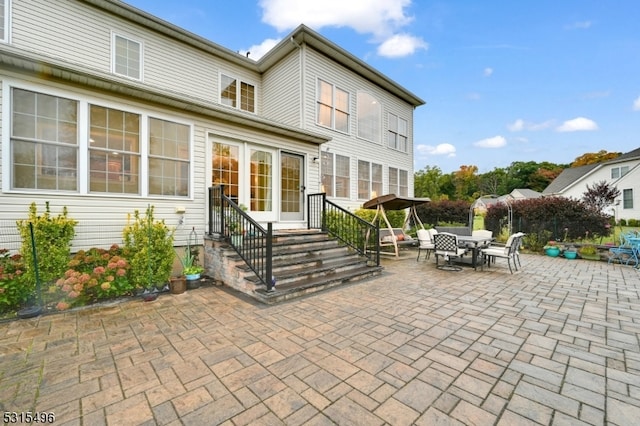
x,y
107,109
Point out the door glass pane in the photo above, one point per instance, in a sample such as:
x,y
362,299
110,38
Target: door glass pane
x,y
291,186
225,168
261,181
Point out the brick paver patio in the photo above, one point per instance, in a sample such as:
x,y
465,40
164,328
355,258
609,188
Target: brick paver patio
x,y
557,343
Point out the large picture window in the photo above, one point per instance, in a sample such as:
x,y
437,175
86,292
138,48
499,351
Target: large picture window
x,y
114,151
397,135
44,141
333,107
237,94
369,117
127,57
168,158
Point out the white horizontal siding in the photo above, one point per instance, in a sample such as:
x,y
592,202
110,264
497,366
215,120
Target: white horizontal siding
x,y
80,34
282,91
318,66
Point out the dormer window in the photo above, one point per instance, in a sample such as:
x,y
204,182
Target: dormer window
x,y
127,57
237,94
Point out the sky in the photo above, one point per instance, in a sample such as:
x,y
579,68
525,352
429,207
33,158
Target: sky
x,y
503,81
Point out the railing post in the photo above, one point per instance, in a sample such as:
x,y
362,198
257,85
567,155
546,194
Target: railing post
x,y
210,210
323,216
269,259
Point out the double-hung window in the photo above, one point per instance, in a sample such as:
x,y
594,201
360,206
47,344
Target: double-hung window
x,y
627,198
369,180
127,57
398,182
59,144
168,158
44,141
369,117
618,172
397,135
336,179
5,7
237,94
332,107
114,151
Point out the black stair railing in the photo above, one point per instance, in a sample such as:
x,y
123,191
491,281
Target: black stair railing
x,y
249,239
343,225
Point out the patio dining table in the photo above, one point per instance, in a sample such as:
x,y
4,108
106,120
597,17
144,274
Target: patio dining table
x,y
475,243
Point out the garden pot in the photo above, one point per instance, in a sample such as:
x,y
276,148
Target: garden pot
x,y
236,240
178,285
553,251
193,281
570,254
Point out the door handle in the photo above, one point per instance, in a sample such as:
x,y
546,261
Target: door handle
x,y
302,188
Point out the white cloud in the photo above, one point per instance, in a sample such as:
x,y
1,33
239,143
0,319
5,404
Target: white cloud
x,y
494,142
636,104
441,149
582,25
577,124
487,72
520,125
381,18
257,51
401,45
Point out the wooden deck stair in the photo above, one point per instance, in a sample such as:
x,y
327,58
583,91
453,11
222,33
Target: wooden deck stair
x,y
307,262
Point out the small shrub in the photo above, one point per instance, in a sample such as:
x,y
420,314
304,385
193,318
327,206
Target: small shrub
x,y
148,244
13,291
623,222
633,223
53,237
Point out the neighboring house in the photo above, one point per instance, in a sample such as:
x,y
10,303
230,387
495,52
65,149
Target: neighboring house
x,y
107,109
523,194
622,172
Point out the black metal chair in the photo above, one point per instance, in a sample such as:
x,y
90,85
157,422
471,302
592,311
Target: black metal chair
x,y
446,245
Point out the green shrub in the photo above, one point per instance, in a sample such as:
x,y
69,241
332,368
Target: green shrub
x,y
396,217
623,222
633,223
148,245
53,237
13,291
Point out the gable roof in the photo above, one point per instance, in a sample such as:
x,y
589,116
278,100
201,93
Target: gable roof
x,y
567,177
527,193
631,155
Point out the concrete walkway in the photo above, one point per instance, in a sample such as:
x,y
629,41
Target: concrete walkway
x,y
556,343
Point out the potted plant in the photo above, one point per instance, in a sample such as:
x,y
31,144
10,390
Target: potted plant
x,y
589,251
551,249
570,252
190,269
234,225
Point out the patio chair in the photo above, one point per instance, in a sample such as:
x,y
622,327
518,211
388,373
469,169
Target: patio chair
x,y
446,245
507,252
424,243
624,252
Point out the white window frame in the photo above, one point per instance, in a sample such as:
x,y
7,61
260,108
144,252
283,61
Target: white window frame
x,y
398,180
369,117
5,34
397,137
331,188
618,172
83,142
332,106
238,100
366,178
114,66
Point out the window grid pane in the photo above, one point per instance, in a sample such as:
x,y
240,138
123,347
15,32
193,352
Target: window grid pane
x,y
393,181
404,183
627,198
364,180
228,94
44,143
168,158
114,161
368,117
247,97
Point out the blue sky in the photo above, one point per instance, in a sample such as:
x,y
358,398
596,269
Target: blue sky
x,y
504,81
